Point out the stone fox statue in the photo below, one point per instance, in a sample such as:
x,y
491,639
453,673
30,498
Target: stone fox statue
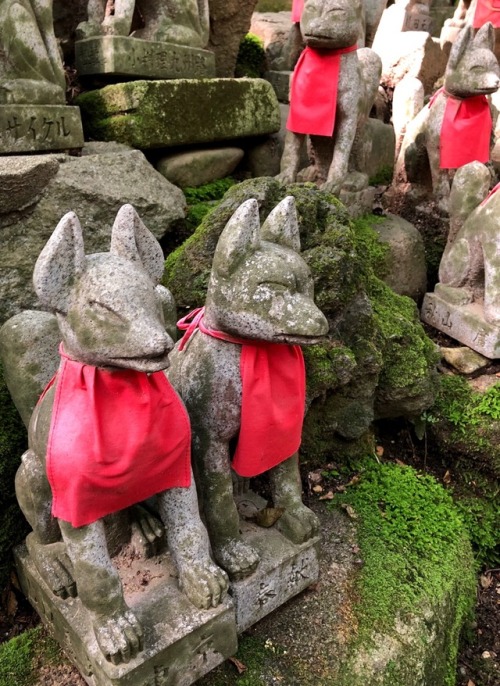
x,y
184,22
31,70
332,101
114,345
259,302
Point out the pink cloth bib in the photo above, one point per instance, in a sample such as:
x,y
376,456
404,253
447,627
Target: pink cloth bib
x,y
486,10
273,398
313,95
465,131
116,438
297,8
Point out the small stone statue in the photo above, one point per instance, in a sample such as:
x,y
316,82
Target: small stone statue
x,y
109,430
184,22
31,70
466,301
333,89
240,373
455,127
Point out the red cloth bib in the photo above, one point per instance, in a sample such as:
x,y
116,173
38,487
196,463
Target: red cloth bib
x,y
273,398
116,438
313,96
494,190
465,131
297,8
487,10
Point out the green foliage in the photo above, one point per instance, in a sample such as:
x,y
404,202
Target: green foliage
x,y
19,657
210,191
273,5
415,551
251,60
383,177
481,516
13,442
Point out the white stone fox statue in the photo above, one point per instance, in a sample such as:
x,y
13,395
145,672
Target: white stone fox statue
x,y
259,306
114,348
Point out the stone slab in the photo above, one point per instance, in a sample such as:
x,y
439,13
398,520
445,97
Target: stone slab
x,y
39,128
181,643
162,114
280,81
284,569
124,56
417,21
464,323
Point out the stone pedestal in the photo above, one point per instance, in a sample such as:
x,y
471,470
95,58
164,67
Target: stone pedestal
x,y
181,643
133,57
39,128
449,310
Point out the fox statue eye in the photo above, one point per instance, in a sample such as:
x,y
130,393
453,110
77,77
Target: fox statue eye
x,y
105,311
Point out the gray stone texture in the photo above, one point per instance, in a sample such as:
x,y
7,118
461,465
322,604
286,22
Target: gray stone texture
x,y
405,270
132,57
197,167
229,23
274,29
94,185
280,81
376,148
39,128
153,114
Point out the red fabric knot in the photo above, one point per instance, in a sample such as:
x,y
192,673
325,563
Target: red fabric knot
x,y
487,10
465,130
117,437
313,95
272,402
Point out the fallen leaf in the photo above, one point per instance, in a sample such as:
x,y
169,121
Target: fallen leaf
x,y
318,489
350,510
341,489
315,477
11,604
447,477
486,655
379,451
268,516
400,463
328,496
355,479
239,665
486,580
470,683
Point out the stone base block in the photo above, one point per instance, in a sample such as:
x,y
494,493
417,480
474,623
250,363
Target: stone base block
x,y
181,643
284,570
39,128
162,114
464,322
142,59
280,81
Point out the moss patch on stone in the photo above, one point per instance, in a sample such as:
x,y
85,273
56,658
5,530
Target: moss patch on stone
x,y
417,583
251,60
13,442
20,657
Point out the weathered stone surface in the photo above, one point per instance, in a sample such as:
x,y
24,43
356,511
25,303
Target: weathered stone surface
x,y
378,148
39,128
94,186
274,30
197,167
280,81
263,158
152,114
229,23
404,15
22,180
182,643
406,270
138,58
464,360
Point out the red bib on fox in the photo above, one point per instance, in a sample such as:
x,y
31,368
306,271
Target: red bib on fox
x,y
486,10
313,95
465,131
116,438
297,8
273,398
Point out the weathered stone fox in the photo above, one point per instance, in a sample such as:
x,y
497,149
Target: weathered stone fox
x,y
110,317
260,291
330,25
472,70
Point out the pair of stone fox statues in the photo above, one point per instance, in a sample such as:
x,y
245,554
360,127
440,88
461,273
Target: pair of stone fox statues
x,y
110,431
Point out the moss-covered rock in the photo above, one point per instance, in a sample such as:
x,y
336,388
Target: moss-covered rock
x,y
160,114
13,440
377,360
22,656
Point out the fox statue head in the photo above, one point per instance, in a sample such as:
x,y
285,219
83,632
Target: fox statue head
x,y
109,307
472,67
260,287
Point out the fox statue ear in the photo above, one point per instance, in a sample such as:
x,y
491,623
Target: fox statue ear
x,y
239,238
132,240
485,37
282,225
59,263
459,47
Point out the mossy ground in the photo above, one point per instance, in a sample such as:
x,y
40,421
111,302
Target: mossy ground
x,y
20,657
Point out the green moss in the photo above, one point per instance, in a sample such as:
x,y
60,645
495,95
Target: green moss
x,y
273,5
369,244
13,442
209,191
416,556
251,60
19,657
383,177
